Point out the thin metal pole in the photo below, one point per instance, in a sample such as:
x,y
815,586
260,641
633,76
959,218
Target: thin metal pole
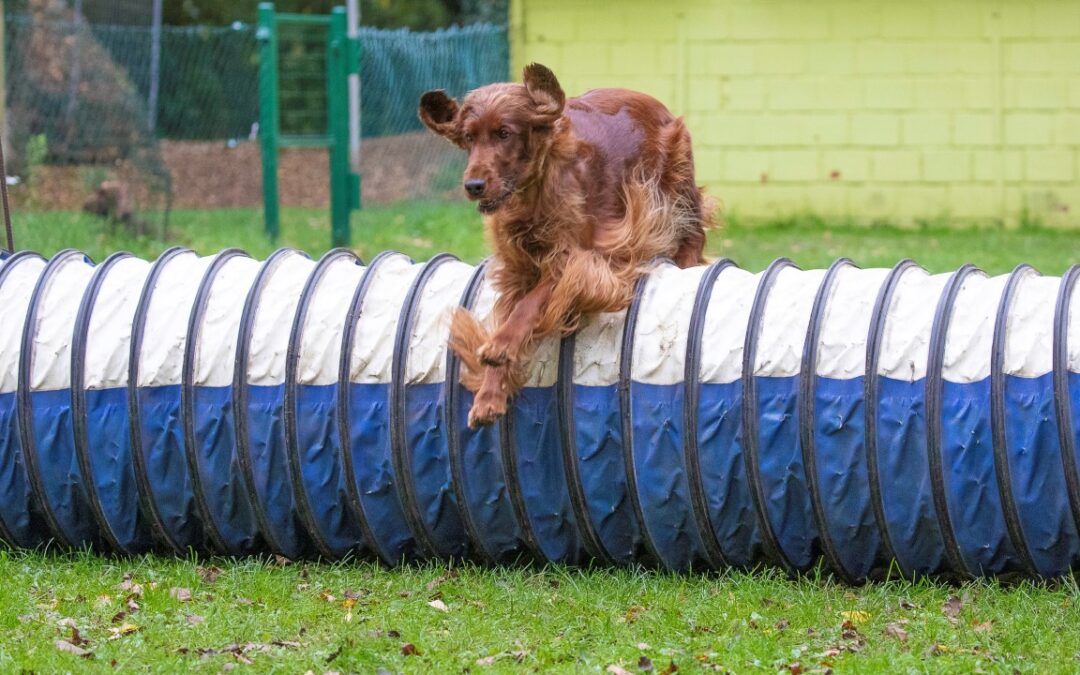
x,y
75,77
353,16
155,68
268,115
338,126
7,206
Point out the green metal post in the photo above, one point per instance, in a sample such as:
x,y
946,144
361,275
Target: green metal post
x,y
269,125
337,98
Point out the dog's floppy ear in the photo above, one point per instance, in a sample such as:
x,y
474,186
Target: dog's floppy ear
x,y
544,90
439,112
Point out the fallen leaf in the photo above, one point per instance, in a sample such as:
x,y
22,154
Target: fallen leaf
x,y
118,617
348,603
983,626
351,595
326,596
487,660
794,668
856,617
210,574
65,646
633,613
894,630
409,649
439,580
66,623
291,644
951,608
281,560
644,663
131,605
102,600
194,619
404,594
937,650
181,594
617,670
439,605
393,634
907,604
124,629
130,587
643,645
782,624
671,668
244,602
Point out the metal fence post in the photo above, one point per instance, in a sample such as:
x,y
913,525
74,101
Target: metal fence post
x,y
337,90
268,115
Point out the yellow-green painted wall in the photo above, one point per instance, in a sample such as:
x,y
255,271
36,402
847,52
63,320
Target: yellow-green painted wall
x,y
870,110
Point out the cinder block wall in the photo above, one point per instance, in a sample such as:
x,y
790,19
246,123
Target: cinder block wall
x,y
868,111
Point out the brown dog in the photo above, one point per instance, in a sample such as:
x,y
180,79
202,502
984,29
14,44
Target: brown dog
x,y
578,196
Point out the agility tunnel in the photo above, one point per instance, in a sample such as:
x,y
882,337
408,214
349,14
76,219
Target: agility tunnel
x,y
875,418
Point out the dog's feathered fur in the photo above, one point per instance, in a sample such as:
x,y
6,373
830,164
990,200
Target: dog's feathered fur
x,y
578,196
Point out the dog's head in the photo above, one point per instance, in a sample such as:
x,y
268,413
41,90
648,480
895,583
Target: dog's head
x,y
505,128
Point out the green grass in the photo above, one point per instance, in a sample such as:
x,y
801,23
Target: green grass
x,y
357,616
424,228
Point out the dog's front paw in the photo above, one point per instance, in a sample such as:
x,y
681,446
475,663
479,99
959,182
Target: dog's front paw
x,y
488,406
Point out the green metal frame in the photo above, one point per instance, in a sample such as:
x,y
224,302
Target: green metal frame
x,y
343,59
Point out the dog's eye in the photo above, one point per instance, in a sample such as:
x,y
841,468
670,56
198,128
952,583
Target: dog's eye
x,y
469,138
504,133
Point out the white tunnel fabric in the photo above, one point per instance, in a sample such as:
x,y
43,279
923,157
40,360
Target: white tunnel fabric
x,y
215,351
431,323
320,346
784,322
57,308
373,340
166,322
726,320
108,336
662,324
1029,337
905,344
15,299
273,320
971,470
971,329
846,324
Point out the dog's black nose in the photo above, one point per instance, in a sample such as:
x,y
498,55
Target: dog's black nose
x,y
475,187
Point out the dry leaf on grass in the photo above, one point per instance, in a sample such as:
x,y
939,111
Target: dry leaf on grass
x,y
856,618
409,649
181,594
194,619
439,605
894,630
210,574
617,670
122,630
633,613
65,646
952,607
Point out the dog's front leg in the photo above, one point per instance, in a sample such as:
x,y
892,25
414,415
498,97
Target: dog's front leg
x,y
507,344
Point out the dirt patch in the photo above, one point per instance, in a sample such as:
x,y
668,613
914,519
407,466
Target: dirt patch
x,y
215,175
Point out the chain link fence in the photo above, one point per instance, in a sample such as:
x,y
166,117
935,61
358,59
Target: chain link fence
x,y
79,110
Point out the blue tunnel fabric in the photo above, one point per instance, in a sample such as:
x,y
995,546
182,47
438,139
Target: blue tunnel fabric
x,y
862,419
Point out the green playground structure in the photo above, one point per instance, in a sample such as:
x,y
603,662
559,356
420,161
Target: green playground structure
x,y
342,56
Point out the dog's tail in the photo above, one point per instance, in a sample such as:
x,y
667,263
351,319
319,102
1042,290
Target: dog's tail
x,y
467,335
